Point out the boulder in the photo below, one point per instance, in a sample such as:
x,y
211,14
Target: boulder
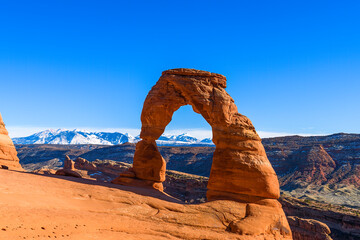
x,y
308,229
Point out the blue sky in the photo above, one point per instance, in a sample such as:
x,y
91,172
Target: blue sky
x,y
292,67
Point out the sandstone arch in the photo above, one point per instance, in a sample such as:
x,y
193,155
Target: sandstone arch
x,y
240,169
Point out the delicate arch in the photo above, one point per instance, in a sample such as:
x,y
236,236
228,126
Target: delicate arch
x,y
240,167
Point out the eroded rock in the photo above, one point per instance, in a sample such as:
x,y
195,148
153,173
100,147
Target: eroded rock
x,y
240,164
45,171
240,170
8,154
69,169
308,229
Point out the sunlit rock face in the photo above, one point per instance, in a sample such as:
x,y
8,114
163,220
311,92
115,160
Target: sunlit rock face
x,y
8,154
240,170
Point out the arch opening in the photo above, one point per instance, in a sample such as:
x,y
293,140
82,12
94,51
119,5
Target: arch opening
x,y
187,123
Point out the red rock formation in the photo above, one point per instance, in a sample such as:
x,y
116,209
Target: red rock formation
x,y
45,171
308,229
345,223
240,170
240,166
69,169
8,154
69,164
312,164
82,163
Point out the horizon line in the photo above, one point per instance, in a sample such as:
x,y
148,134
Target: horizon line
x,y
21,131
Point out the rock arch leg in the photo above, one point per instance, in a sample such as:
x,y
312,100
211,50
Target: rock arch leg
x,y
148,162
149,166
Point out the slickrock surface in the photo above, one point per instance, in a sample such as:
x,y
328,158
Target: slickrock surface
x,y
47,207
8,154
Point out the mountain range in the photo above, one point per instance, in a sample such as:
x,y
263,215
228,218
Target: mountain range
x,y
64,137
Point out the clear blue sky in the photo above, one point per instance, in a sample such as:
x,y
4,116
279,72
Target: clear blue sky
x,y
292,66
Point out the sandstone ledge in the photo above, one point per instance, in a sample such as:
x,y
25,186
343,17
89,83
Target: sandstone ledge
x,y
192,72
216,78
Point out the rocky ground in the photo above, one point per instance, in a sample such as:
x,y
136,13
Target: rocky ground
x,y
188,188
343,222
74,208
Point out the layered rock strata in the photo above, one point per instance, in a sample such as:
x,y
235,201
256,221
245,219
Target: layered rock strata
x,y
240,170
8,154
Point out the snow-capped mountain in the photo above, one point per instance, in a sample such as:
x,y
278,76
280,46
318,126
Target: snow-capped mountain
x,y
63,136
207,141
182,139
